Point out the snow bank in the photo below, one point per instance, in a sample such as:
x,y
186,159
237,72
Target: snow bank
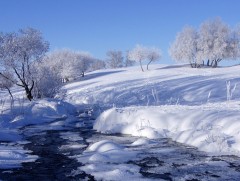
x,y
106,160
36,112
213,127
106,151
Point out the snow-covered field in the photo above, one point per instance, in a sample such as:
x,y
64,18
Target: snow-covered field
x,y
199,107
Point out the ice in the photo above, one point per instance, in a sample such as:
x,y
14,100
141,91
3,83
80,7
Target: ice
x,y
13,156
104,146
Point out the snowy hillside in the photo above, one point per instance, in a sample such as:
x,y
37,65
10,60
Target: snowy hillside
x,y
199,107
162,85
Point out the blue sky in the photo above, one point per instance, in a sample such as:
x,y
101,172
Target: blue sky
x,y
97,26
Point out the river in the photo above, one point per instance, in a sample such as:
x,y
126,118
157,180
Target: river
x,y
163,159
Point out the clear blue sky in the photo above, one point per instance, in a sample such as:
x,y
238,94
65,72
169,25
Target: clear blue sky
x,y
97,26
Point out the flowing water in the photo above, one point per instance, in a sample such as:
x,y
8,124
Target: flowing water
x,y
164,159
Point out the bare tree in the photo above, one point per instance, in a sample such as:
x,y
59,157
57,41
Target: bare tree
x,y
18,51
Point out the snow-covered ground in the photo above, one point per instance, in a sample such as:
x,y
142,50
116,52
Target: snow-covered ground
x,y
199,107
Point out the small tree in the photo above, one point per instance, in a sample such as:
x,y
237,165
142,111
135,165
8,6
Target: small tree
x,y
138,54
18,52
114,59
153,54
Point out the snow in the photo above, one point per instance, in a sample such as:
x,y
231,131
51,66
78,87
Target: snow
x,y
104,146
14,117
113,172
106,151
199,107
198,126
141,141
107,159
13,156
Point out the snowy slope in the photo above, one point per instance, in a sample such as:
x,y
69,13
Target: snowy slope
x,y
199,107
160,86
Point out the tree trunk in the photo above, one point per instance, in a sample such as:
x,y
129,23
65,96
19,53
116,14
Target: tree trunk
x,y
149,64
194,65
82,74
212,63
25,85
141,65
215,64
28,93
208,62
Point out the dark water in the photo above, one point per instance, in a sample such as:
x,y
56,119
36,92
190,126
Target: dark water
x,y
163,160
53,163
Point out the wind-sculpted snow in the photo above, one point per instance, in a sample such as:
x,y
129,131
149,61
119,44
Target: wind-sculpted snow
x,y
160,86
199,126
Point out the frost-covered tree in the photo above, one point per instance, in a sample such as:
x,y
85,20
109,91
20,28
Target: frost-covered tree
x,y
127,61
138,54
233,48
141,53
17,53
214,41
153,54
69,64
114,59
97,64
47,81
184,48
6,83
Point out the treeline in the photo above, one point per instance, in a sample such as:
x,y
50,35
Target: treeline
x,y
25,60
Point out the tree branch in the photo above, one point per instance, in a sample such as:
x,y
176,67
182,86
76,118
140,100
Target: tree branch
x,y
24,84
